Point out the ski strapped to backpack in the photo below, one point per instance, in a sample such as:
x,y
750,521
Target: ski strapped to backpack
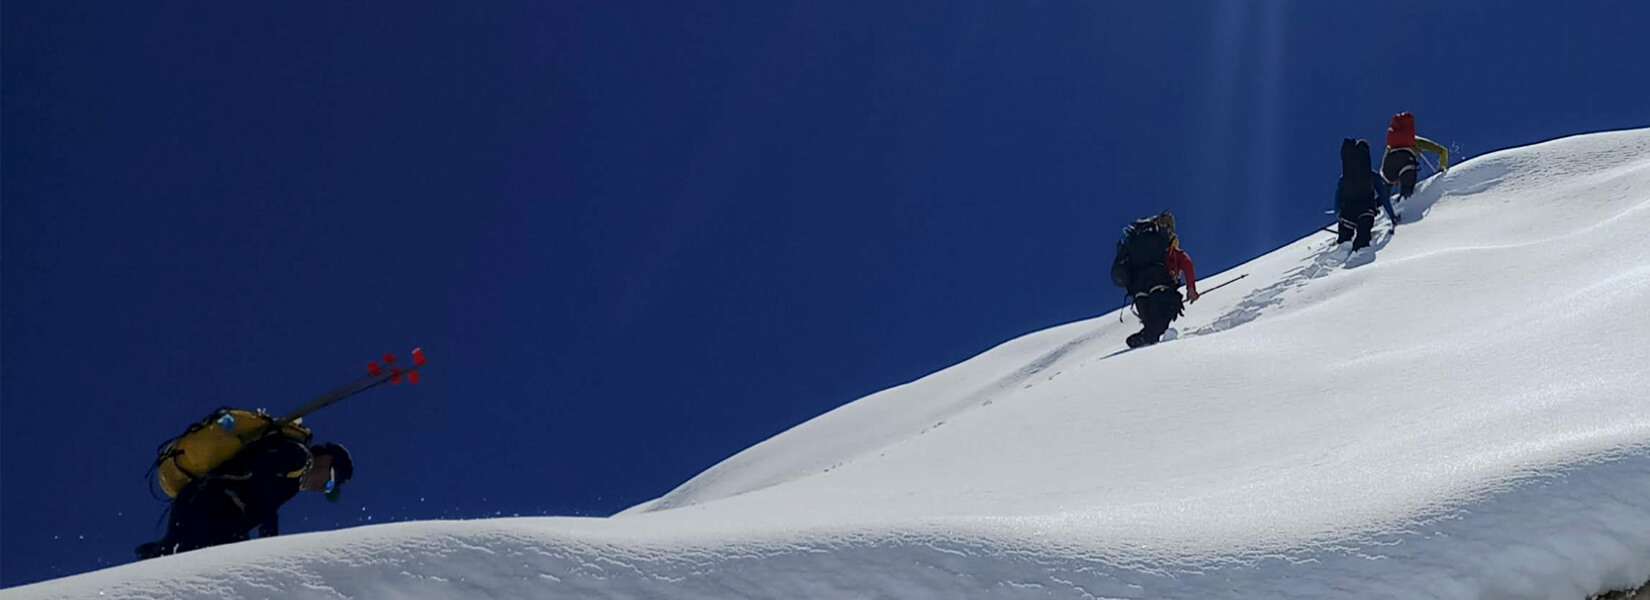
x,y
376,375
212,441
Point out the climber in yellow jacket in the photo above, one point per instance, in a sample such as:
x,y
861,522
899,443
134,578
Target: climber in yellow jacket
x,y
1402,160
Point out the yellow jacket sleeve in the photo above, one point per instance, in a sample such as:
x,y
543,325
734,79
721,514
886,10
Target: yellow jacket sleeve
x,y
1426,145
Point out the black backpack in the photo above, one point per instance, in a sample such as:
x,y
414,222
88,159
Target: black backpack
x,y
1140,257
1357,185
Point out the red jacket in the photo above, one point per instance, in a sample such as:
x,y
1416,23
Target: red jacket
x,y
1180,267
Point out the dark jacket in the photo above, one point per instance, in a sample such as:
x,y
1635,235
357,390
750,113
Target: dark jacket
x,y
265,475
245,492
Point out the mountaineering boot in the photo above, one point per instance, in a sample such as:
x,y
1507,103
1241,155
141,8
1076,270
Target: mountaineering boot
x,y
150,550
1359,257
1135,340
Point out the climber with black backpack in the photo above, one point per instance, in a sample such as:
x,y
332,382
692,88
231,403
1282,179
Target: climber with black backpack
x,y
231,472
1401,162
1358,194
1150,267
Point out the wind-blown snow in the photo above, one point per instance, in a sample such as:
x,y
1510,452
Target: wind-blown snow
x,y
1461,417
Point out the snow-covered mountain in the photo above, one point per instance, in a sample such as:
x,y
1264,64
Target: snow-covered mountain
x,y
1463,416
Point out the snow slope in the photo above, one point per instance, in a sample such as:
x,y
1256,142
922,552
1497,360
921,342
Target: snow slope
x,y
1461,417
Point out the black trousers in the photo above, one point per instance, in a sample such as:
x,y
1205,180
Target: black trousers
x,y
202,515
1356,227
1157,309
1399,168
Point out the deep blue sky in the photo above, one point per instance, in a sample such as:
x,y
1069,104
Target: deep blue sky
x,y
636,238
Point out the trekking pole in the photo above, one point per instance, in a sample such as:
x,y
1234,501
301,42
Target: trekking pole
x,y
1330,228
376,376
1233,280
1428,161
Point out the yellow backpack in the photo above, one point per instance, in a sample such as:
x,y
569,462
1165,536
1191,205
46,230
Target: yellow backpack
x,y
206,445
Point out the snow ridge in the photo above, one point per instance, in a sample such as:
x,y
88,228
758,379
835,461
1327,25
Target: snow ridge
x,y
1460,415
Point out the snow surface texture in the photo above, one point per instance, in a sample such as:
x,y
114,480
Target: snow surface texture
x,y
1462,416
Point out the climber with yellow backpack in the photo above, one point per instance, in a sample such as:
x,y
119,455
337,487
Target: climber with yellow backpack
x,y
230,472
